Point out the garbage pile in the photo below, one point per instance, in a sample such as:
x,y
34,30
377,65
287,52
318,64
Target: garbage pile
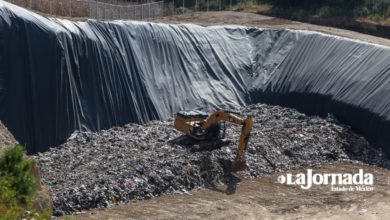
x,y
137,162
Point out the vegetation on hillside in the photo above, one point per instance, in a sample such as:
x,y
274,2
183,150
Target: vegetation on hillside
x,y
378,10
18,186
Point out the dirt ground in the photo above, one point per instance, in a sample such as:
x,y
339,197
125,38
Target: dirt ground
x,y
264,198
252,19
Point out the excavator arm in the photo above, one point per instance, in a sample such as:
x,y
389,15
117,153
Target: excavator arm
x,y
247,125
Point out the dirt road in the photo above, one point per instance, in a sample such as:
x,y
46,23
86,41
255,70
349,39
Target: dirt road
x,y
264,198
252,19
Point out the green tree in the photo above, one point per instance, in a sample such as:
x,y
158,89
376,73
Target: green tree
x,y
18,185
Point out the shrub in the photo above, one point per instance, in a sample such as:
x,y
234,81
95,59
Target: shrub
x,y
18,185
182,10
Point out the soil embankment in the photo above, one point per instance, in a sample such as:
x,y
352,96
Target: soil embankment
x,y
262,21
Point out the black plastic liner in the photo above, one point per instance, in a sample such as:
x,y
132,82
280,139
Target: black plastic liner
x,y
58,76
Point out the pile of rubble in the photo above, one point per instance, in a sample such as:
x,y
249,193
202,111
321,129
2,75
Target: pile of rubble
x,y
136,162
6,138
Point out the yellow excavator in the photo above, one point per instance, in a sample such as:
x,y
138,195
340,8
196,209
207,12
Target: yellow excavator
x,y
203,127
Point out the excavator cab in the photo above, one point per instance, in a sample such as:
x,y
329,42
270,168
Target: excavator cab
x,y
192,121
211,128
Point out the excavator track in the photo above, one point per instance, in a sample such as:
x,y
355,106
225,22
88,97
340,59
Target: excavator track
x,y
196,146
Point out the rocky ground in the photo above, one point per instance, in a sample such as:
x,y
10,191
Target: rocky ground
x,y
137,162
6,138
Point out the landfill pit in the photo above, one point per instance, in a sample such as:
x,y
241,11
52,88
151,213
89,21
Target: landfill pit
x,y
136,162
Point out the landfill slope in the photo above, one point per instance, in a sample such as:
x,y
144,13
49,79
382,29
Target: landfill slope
x,y
58,76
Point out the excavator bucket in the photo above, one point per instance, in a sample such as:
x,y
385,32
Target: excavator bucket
x,y
239,165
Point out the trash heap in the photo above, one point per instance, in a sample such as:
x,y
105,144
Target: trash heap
x,y
136,162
